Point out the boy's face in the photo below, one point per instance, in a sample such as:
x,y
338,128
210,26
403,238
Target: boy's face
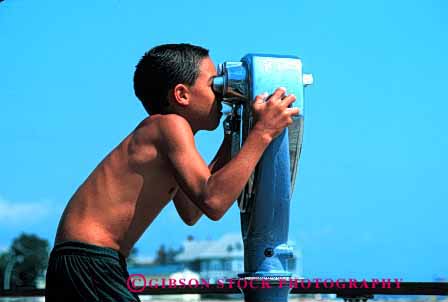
x,y
207,109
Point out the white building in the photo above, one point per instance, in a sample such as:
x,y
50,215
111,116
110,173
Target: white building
x,y
223,258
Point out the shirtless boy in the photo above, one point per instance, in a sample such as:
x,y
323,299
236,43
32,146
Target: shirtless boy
x,y
157,162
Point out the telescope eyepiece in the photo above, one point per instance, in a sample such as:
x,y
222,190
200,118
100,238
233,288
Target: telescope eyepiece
x,y
231,82
218,86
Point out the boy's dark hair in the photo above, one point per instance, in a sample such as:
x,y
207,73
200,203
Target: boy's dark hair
x,y
162,68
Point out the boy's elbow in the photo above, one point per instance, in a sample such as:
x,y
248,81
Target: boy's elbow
x,y
213,210
215,216
191,220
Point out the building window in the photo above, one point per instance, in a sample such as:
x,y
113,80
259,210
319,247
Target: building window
x,y
238,246
215,265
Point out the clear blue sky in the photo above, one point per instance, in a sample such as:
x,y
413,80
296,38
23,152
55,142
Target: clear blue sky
x,y
371,194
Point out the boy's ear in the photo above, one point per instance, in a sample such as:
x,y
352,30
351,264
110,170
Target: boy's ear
x,y
181,95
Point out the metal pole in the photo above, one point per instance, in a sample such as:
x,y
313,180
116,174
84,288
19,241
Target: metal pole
x,y
264,202
265,215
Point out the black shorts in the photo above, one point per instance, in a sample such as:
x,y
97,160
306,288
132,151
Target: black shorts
x,y
79,271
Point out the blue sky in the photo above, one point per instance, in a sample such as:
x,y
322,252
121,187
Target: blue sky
x,y
371,194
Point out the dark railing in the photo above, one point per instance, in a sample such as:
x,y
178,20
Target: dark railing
x,y
345,290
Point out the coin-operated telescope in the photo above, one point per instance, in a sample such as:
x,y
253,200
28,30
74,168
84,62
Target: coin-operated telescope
x,y
265,200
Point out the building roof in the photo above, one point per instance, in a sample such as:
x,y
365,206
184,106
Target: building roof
x,y
156,270
228,246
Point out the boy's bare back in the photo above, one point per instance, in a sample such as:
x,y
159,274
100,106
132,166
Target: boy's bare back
x,y
124,193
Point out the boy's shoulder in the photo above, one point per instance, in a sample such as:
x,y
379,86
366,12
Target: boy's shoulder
x,y
162,127
156,134
163,123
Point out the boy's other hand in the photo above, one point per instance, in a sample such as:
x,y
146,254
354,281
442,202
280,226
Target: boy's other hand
x,y
273,115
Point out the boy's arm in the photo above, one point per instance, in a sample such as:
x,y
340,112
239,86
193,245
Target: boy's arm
x,y
187,210
215,193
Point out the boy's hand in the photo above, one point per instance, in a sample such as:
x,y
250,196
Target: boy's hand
x,y
273,115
